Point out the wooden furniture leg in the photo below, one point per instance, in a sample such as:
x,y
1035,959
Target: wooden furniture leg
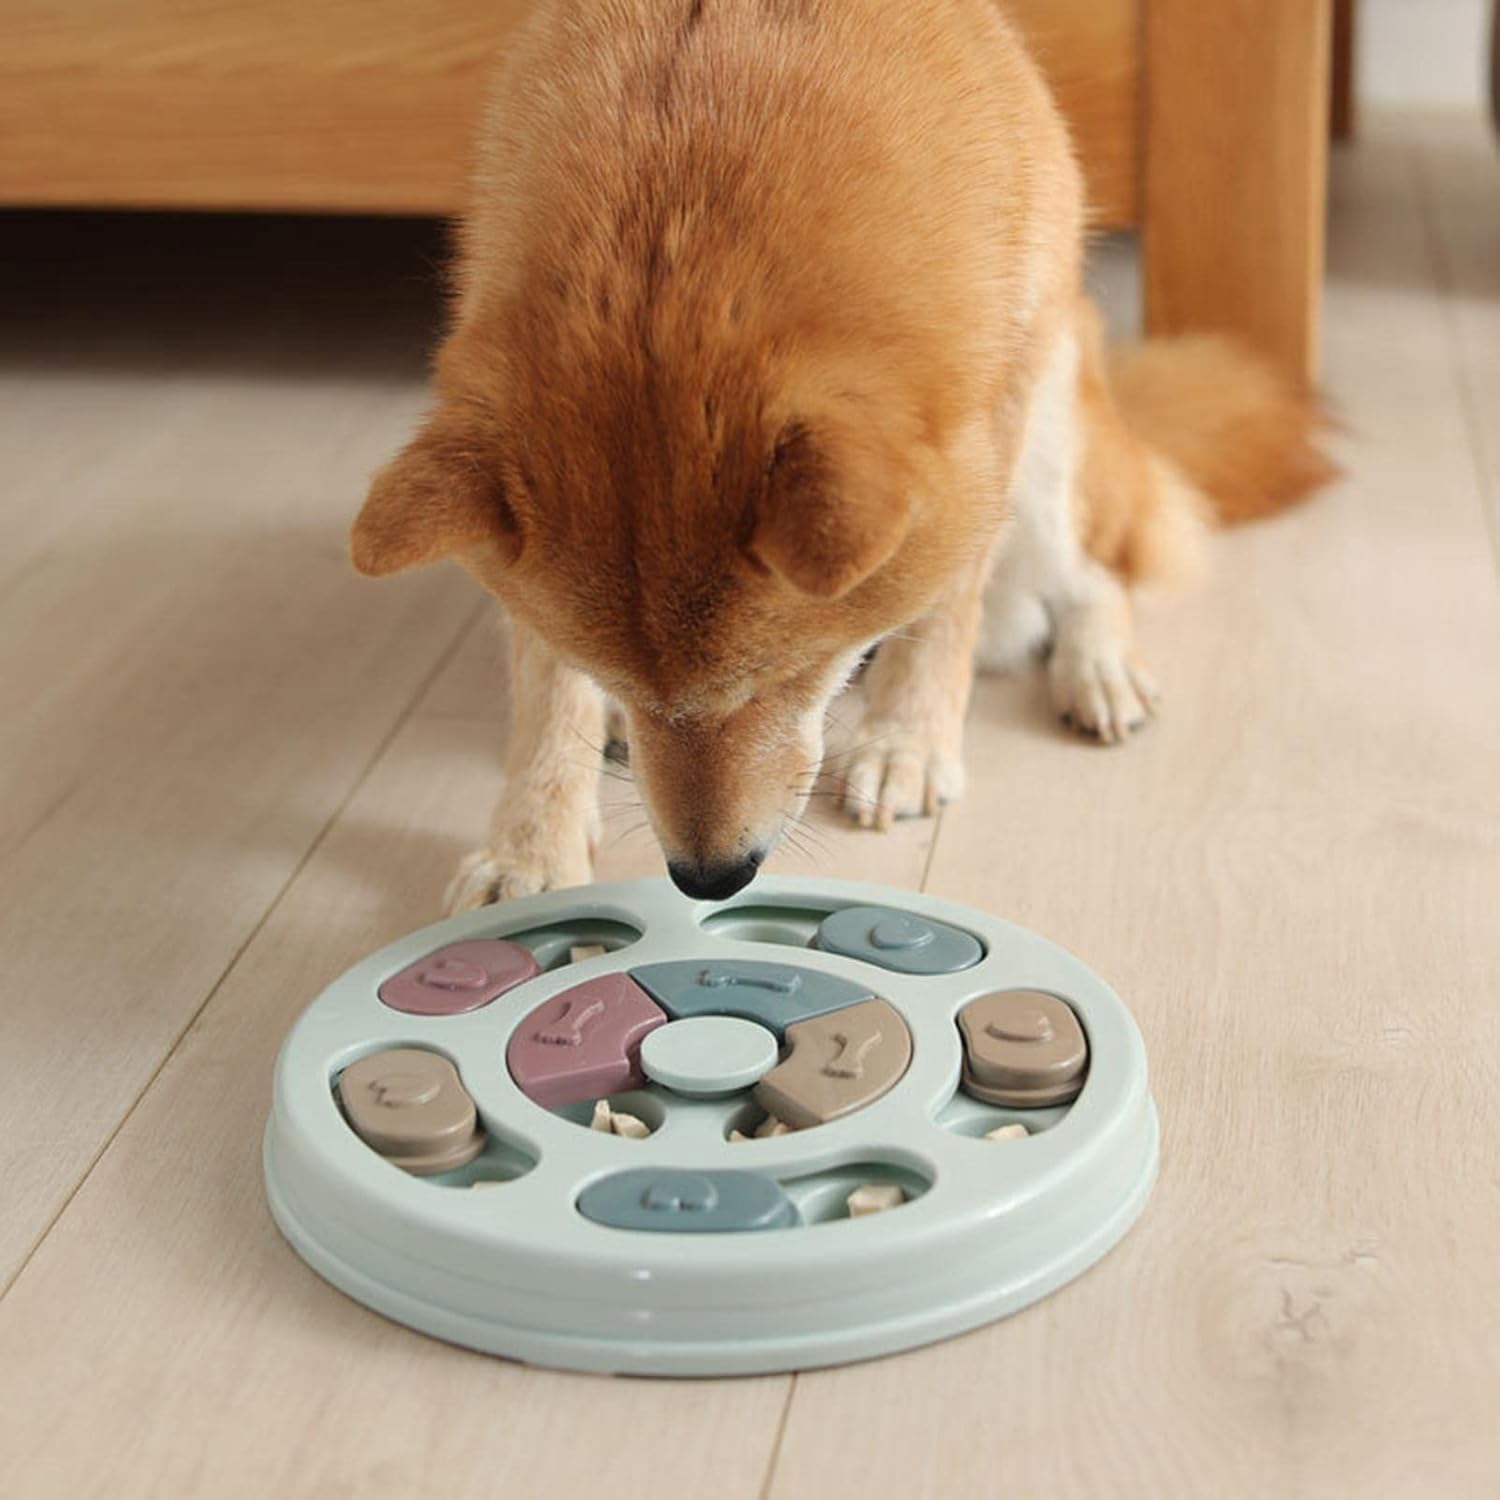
x,y
1341,113
1236,156
1495,64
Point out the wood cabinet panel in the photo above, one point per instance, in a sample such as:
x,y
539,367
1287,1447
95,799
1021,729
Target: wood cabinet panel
x,y
363,105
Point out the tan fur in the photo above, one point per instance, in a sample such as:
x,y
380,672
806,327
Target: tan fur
x,y
1184,433
1227,420
752,298
1136,514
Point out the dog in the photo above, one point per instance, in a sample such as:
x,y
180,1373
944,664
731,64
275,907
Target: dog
x,y
768,347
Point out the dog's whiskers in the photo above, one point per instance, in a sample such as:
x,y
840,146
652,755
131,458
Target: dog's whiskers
x,y
832,760
619,837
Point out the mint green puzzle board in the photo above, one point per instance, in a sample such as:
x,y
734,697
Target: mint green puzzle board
x,y
515,1268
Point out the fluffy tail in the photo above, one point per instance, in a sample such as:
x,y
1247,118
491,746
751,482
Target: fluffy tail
x,y
1202,431
1234,428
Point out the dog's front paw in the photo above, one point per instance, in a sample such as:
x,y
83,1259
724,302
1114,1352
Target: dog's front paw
x,y
1101,692
900,773
515,865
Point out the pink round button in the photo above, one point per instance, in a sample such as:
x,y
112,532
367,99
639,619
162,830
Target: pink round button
x,y
459,977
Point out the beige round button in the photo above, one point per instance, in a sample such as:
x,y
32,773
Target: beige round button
x,y
410,1106
1024,1048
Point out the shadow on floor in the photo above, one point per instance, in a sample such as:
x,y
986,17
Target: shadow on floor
x,y
256,296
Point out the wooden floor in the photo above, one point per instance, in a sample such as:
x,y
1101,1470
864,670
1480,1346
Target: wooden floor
x,y
231,767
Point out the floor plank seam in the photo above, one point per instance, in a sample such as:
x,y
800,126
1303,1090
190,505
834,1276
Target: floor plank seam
x,y
314,844
775,1455
937,833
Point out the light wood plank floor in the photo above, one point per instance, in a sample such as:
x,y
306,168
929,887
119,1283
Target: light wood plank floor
x,y
230,768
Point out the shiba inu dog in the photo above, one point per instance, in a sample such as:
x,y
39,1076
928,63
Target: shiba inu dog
x,y
769,345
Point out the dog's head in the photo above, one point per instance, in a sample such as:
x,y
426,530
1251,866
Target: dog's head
x,y
714,541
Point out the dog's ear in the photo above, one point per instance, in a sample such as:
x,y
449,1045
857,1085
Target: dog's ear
x,y
831,512
443,495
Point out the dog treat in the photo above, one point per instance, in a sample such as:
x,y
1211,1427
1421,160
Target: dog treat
x,y
767,1128
874,1198
632,1127
583,951
1015,1131
617,1122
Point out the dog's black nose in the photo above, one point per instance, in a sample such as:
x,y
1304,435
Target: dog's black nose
x,y
714,880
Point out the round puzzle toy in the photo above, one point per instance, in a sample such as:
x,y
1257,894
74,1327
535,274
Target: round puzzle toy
x,y
611,1129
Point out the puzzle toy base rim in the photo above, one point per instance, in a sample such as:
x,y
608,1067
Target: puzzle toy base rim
x,y
992,1226
939,1320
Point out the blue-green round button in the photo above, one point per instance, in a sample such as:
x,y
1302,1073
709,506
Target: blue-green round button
x,y
898,940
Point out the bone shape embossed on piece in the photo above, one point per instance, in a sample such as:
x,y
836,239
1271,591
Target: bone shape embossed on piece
x,y
848,1060
404,1090
717,979
565,1029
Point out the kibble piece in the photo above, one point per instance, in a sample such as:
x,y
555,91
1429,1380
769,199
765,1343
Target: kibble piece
x,y
1015,1131
738,1135
629,1126
617,1122
874,1198
772,1126
581,951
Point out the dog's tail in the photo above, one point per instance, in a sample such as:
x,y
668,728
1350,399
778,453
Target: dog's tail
x,y
1201,431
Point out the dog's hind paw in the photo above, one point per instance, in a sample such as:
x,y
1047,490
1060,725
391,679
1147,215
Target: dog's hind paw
x,y
900,773
503,874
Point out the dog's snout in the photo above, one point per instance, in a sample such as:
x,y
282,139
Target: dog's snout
x,y
714,880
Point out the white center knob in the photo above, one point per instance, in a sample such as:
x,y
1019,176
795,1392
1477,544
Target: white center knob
x,y
704,1056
